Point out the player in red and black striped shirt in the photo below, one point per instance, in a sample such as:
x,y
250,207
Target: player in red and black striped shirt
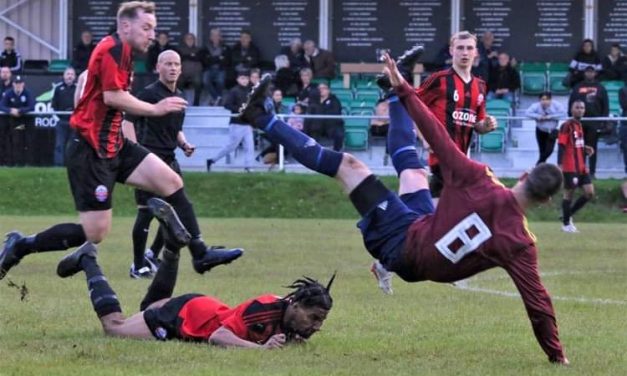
x,y
571,159
457,99
98,155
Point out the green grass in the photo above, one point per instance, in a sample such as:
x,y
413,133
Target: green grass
x,y
424,329
45,191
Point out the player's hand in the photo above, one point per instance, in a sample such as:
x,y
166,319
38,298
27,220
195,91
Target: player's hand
x,y
14,112
589,150
170,104
188,149
275,342
299,340
490,123
391,70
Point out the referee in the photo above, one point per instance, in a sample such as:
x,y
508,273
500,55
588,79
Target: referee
x,y
161,135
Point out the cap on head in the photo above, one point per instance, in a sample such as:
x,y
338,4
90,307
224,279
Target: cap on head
x,y
18,80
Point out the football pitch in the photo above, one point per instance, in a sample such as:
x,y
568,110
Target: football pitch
x,y
480,328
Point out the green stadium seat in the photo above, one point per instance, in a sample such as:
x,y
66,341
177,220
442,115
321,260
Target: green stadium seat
x,y
320,81
556,85
345,98
139,66
362,84
58,65
368,96
533,77
612,85
336,84
357,123
498,104
492,142
533,67
558,67
288,101
356,138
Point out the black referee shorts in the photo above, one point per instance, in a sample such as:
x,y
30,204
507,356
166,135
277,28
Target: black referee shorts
x,y
141,196
92,178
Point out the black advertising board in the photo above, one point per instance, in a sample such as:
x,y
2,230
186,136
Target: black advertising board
x,y
361,27
273,23
532,30
612,24
98,16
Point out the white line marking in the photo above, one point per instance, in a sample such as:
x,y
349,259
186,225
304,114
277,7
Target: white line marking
x,y
465,285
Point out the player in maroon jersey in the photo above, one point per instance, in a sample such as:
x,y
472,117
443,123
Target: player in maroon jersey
x,y
570,158
479,224
266,321
99,156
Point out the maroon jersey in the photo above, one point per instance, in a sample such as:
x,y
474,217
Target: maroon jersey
x,y
571,139
457,105
477,225
109,69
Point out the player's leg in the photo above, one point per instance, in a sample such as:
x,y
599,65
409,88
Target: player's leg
x,y
140,267
235,137
150,173
248,143
588,194
162,286
569,188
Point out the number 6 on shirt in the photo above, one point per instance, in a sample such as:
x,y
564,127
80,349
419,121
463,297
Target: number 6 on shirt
x,y
466,236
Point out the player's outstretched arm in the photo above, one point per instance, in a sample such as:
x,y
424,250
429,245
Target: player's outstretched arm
x,y
124,101
226,338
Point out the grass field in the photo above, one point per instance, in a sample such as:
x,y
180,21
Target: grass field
x,y
424,328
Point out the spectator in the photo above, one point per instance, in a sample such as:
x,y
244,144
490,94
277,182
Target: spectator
x,y
504,80
285,78
5,80
295,55
594,95
10,57
17,102
216,59
277,102
239,132
192,67
546,113
321,62
480,68
245,54
330,128
585,57
82,51
614,64
487,53
63,100
270,153
444,60
308,93
622,96
379,127
255,76
297,122
162,44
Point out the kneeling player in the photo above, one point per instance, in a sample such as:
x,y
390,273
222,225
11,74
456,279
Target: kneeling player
x,y
479,223
267,321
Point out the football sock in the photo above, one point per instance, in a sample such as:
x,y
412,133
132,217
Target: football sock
x,y
140,236
185,211
302,147
401,138
581,201
197,248
566,211
157,243
56,238
102,296
368,194
162,285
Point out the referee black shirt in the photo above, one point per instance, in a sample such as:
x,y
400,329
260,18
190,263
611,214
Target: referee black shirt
x,y
158,134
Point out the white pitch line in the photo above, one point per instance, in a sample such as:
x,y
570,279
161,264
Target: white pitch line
x,y
465,285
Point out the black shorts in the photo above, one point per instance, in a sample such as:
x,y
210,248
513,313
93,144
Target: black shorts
x,y
164,322
141,196
92,178
436,183
569,180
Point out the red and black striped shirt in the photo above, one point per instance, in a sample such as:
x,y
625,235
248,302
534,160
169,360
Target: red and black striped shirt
x,y
571,139
110,69
458,105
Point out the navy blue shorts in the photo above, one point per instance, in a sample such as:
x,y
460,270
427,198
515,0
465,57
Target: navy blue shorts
x,y
384,228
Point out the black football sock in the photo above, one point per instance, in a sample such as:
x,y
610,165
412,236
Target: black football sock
x,y
580,203
157,243
56,238
162,285
566,211
102,296
185,211
140,236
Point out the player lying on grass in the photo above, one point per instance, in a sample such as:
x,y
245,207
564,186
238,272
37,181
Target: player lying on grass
x,y
479,223
267,321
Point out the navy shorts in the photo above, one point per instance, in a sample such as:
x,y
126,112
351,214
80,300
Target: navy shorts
x,y
384,228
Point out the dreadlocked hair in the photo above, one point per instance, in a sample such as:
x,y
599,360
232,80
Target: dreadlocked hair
x,y
311,293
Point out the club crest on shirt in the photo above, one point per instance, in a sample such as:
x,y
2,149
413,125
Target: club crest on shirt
x,y
480,99
102,193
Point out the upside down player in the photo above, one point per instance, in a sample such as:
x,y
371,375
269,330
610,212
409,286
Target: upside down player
x,y
478,225
98,156
266,321
571,159
457,99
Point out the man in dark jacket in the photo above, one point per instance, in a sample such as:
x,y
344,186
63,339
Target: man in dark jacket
x,y
295,54
82,51
245,54
594,95
330,128
321,62
63,100
239,132
163,44
192,67
504,80
17,102
10,57
5,80
216,59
